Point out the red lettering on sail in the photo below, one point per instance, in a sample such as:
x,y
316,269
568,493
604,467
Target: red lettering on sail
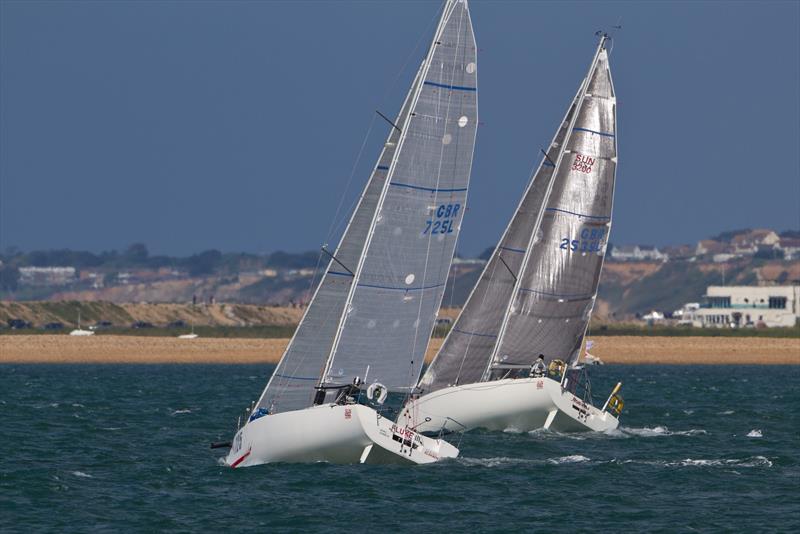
x,y
583,163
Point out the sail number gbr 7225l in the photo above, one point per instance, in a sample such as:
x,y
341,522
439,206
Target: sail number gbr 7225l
x,y
442,221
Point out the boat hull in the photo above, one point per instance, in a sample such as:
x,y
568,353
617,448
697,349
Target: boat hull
x,y
522,404
332,433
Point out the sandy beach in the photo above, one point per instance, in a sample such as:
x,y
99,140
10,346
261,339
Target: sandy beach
x,y
611,349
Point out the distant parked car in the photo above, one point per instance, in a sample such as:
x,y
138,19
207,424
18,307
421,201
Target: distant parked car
x,y
54,326
142,324
18,324
177,324
102,324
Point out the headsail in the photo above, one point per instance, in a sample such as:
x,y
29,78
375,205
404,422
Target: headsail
x,y
424,163
557,289
538,288
388,322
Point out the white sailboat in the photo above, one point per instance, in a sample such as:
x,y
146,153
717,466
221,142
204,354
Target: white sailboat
x,y
79,331
371,317
536,294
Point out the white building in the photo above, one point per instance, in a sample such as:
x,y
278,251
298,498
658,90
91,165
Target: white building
x,y
739,306
46,276
637,253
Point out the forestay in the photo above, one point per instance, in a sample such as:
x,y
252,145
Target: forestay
x,y
464,354
388,322
558,285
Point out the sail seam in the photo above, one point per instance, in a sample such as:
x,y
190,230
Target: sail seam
x,y
605,134
451,87
473,333
431,189
578,214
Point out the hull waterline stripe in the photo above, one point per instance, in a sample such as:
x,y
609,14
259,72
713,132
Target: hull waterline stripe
x,y
599,217
520,250
451,87
473,333
604,134
431,189
241,459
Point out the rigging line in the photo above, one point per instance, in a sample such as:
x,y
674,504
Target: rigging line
x,y
384,117
336,222
500,257
334,258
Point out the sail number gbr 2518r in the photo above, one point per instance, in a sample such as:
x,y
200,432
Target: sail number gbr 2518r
x,y
591,240
442,221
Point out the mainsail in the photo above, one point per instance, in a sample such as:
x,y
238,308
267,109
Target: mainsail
x,y
375,307
538,289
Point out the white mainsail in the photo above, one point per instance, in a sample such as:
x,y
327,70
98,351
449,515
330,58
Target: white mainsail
x,y
376,304
538,288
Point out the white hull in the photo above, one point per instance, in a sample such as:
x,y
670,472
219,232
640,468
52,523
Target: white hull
x,y
332,433
523,404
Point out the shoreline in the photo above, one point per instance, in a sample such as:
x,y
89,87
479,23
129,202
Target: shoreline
x,y
109,349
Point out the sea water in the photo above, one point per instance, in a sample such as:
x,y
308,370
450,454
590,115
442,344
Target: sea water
x,y
121,448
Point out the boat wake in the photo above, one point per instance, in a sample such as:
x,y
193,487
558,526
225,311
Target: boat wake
x,y
752,461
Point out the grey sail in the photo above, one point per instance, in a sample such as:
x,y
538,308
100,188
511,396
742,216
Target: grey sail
x,y
557,289
464,355
297,374
399,285
292,385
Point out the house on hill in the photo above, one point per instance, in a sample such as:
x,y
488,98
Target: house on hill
x,y
638,253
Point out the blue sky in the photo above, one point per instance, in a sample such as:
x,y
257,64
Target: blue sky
x,y
236,125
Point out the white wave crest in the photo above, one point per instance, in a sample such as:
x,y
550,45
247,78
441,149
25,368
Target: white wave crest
x,y
81,474
661,431
494,462
727,412
571,459
177,412
755,433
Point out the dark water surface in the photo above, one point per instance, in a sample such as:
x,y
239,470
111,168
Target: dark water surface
x,y
125,448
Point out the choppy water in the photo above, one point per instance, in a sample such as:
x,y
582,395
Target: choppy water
x,y
125,448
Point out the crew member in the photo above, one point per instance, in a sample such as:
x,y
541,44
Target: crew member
x,y
538,369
